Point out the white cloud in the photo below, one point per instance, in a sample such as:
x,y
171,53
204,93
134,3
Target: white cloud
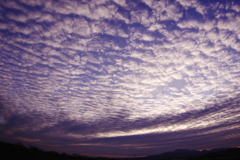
x,y
44,18
120,2
32,2
12,4
17,17
67,67
2,120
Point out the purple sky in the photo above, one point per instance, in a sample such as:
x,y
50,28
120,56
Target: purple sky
x,y
120,77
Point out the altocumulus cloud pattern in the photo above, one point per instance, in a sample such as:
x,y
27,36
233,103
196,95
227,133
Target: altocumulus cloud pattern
x,y
120,77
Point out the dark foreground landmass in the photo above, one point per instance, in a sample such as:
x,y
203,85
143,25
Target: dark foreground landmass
x,y
184,154
17,151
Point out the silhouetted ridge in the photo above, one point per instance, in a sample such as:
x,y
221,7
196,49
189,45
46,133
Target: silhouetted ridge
x,y
185,154
19,151
177,154
233,152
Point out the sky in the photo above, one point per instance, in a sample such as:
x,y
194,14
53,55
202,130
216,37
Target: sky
x,y
120,78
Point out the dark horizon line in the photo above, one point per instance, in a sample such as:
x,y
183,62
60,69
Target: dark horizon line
x,y
87,156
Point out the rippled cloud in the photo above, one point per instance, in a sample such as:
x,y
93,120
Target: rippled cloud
x,y
114,72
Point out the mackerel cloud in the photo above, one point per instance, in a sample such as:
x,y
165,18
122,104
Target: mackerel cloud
x,y
81,73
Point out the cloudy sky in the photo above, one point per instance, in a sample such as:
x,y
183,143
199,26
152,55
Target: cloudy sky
x,y
120,77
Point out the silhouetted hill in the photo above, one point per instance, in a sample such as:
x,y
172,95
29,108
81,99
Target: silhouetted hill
x,y
184,154
17,151
228,154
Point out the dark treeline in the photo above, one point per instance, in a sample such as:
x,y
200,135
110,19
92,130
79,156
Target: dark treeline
x,y
19,151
